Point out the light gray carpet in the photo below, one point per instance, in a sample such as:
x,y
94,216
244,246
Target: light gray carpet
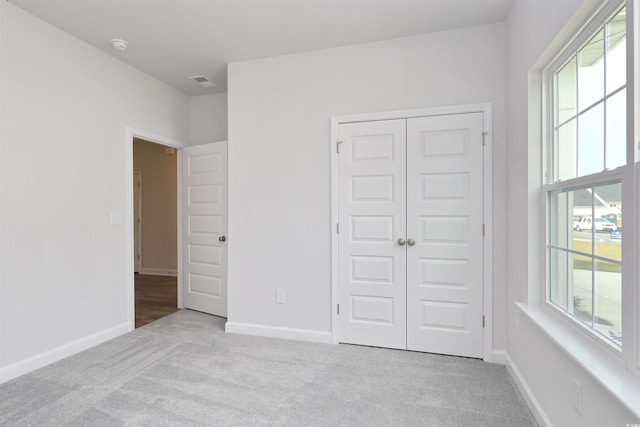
x,y
183,370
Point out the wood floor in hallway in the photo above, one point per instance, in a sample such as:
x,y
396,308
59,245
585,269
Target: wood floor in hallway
x,y
156,297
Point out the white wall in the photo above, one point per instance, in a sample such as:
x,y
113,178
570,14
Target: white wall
x,y
279,158
545,368
208,118
65,107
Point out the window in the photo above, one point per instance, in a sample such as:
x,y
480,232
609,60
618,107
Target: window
x,y
590,105
585,256
587,147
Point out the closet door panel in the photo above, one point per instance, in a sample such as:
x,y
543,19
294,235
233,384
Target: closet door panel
x,y
444,218
372,265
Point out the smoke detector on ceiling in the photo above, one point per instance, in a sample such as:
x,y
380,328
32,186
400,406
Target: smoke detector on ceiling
x,y
119,44
203,81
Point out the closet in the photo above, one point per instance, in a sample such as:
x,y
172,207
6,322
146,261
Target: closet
x,y
410,237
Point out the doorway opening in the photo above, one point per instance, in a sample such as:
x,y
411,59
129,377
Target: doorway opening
x,y
200,227
155,223
155,280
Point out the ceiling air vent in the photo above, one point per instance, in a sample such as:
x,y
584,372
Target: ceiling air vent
x,y
203,81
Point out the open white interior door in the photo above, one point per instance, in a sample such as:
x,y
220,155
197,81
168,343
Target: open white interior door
x,y
204,225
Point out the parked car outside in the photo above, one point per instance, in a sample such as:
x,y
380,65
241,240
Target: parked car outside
x,y
601,224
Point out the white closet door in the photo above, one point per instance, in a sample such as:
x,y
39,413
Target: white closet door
x,y
372,266
204,207
444,218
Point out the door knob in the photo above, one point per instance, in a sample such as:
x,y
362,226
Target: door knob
x,y
222,238
401,242
411,242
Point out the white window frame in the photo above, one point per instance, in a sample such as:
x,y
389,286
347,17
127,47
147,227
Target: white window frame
x,y
629,356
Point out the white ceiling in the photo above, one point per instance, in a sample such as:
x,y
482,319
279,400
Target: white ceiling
x,y
174,39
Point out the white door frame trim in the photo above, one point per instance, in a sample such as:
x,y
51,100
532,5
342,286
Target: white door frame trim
x,y
486,109
137,239
132,133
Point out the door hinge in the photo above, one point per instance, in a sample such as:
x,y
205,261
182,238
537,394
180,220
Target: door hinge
x,y
138,256
484,137
483,230
338,309
483,320
338,228
338,146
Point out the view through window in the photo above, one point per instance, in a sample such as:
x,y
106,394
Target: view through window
x,y
585,204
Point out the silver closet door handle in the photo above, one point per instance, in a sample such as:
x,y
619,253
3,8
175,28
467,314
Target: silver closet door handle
x,y
401,242
411,242
222,238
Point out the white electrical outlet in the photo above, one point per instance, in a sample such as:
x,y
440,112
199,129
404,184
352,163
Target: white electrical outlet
x,y
280,296
576,396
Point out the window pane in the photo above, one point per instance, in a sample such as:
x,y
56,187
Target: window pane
x,y
608,300
617,130
616,52
567,151
580,203
608,209
566,82
591,141
591,72
581,287
558,219
558,278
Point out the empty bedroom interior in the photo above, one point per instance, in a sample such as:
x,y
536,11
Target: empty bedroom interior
x,y
346,159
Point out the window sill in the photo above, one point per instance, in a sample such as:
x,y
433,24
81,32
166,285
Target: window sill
x,y
610,373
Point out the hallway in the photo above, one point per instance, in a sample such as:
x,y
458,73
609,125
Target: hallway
x,y
156,297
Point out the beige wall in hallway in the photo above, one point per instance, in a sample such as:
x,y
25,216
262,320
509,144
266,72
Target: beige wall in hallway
x,y
159,206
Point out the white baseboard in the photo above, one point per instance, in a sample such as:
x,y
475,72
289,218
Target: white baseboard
x,y
38,361
278,332
158,271
527,394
